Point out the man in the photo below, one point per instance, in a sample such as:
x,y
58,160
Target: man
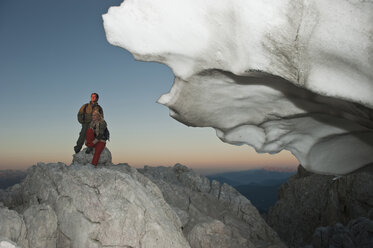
x,y
85,117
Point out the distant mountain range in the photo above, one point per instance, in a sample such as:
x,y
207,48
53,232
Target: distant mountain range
x,y
258,176
11,177
259,186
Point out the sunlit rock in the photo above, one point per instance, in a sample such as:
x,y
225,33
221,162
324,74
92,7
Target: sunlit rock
x,y
274,74
83,206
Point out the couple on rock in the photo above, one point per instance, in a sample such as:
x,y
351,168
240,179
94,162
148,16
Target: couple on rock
x,y
94,129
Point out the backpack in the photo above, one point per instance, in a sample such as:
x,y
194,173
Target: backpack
x,y
106,134
82,116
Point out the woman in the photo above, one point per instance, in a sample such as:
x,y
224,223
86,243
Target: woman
x,y
95,136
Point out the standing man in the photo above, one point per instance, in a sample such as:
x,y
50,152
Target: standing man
x,y
85,117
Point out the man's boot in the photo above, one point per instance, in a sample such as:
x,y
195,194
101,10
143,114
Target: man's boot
x,y
89,150
76,149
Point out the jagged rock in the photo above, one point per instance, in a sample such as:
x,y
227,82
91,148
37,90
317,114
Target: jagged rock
x,y
105,206
358,233
308,201
41,225
215,234
209,207
84,158
12,227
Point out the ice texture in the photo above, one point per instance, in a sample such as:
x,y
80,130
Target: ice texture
x,y
273,74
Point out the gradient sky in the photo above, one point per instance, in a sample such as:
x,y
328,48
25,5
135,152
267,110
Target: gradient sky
x,y
54,54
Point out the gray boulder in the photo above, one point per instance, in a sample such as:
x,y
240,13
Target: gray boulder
x,y
308,201
211,212
83,158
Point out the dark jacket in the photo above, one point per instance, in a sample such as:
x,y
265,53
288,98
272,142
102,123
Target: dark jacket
x,y
85,112
99,129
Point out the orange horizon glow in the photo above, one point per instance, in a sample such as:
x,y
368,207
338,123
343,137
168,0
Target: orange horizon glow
x,y
195,148
237,159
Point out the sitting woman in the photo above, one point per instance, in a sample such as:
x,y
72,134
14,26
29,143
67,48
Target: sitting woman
x,y
95,136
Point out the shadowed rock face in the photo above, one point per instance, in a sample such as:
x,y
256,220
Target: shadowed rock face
x,y
213,215
358,233
308,201
277,74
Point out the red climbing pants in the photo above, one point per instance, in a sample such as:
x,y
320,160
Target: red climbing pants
x,y
99,146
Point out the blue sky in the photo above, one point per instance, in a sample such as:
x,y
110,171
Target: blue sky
x,y
53,54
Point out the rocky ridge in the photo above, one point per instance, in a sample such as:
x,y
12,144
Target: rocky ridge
x,y
116,206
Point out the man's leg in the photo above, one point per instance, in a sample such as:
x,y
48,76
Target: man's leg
x,y
90,137
81,139
99,147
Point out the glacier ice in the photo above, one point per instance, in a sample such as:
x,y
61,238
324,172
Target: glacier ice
x,y
273,74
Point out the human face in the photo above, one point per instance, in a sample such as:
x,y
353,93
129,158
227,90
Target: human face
x,y
95,117
93,98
